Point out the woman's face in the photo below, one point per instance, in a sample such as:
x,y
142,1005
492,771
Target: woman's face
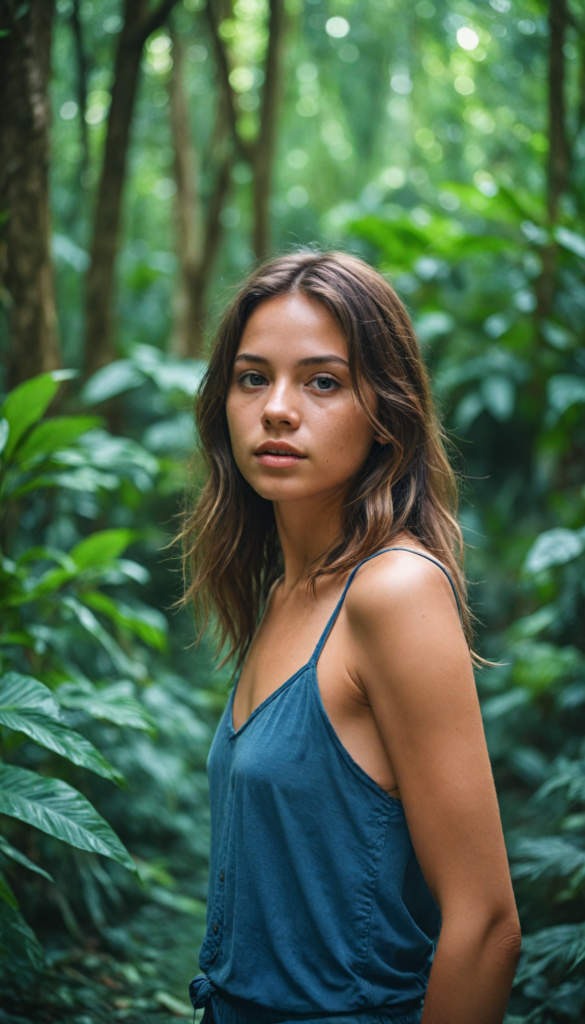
x,y
296,428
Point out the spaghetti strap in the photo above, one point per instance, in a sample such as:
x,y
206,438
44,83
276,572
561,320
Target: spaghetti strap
x,y
337,608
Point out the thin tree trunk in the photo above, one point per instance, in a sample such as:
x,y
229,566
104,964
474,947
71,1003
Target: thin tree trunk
x,y
187,312
104,248
264,149
260,153
26,269
139,23
198,236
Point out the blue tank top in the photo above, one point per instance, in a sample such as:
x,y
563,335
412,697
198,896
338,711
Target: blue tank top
x,y
316,905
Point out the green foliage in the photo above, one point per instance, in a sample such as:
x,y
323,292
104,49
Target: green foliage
x,y
429,158
28,707
46,598
92,686
59,810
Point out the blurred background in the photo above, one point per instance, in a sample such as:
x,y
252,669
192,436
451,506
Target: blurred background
x,y
150,153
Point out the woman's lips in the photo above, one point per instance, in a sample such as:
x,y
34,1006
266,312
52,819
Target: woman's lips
x,y
278,459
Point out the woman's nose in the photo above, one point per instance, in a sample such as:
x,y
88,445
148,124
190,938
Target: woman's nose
x,y
281,407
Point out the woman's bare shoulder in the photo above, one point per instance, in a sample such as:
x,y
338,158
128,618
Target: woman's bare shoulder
x,y
405,629
399,581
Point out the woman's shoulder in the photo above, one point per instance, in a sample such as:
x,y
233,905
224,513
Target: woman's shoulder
x,y
404,625
407,581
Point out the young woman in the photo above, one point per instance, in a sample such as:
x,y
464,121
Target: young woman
x,y
357,863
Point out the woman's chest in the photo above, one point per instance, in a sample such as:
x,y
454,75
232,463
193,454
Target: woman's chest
x,y
284,653
285,642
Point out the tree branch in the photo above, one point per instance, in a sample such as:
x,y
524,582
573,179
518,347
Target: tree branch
x,y
225,85
264,146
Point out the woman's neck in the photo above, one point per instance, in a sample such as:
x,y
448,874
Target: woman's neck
x,y
306,529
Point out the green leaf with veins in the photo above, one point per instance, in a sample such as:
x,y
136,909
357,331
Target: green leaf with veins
x,y
29,707
59,810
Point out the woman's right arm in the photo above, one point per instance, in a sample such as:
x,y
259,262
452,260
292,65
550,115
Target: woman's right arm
x,y
416,671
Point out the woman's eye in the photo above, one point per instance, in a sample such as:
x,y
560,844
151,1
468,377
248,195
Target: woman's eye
x,y
252,379
325,383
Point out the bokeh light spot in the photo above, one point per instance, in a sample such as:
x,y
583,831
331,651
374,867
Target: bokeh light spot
x,y
467,38
68,110
337,27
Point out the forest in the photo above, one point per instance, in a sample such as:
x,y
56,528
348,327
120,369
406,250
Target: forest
x,y
151,151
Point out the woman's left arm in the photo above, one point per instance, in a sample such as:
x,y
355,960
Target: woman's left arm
x,y
415,668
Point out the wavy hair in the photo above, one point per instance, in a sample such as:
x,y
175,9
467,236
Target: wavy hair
x,y
231,549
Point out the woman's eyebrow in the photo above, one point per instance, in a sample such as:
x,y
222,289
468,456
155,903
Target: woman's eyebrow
x,y
249,357
315,360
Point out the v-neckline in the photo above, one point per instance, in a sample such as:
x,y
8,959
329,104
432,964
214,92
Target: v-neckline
x,y
233,732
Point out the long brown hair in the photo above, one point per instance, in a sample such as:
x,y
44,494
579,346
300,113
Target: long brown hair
x,y
232,551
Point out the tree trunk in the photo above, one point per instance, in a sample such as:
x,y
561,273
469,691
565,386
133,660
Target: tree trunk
x,y
104,247
139,23
197,242
260,153
187,312
26,269
264,149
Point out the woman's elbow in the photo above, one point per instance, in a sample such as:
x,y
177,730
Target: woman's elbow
x,y
505,938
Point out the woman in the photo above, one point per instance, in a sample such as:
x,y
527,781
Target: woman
x,y
357,862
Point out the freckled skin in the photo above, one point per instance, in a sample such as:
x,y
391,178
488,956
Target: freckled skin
x,y
311,407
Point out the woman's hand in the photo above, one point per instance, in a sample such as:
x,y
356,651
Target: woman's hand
x,y
416,672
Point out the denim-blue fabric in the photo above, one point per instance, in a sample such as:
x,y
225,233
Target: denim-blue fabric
x,y
317,907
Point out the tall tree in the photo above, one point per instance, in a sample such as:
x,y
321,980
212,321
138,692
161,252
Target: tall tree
x,y
261,151
26,270
198,224
140,21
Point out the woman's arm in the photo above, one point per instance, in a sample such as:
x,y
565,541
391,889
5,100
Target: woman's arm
x,y
415,668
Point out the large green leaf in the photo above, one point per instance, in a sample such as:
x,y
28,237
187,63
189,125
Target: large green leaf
x,y
29,707
59,810
554,547
61,739
56,433
148,623
128,666
110,380
114,703
18,692
10,851
101,547
25,405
